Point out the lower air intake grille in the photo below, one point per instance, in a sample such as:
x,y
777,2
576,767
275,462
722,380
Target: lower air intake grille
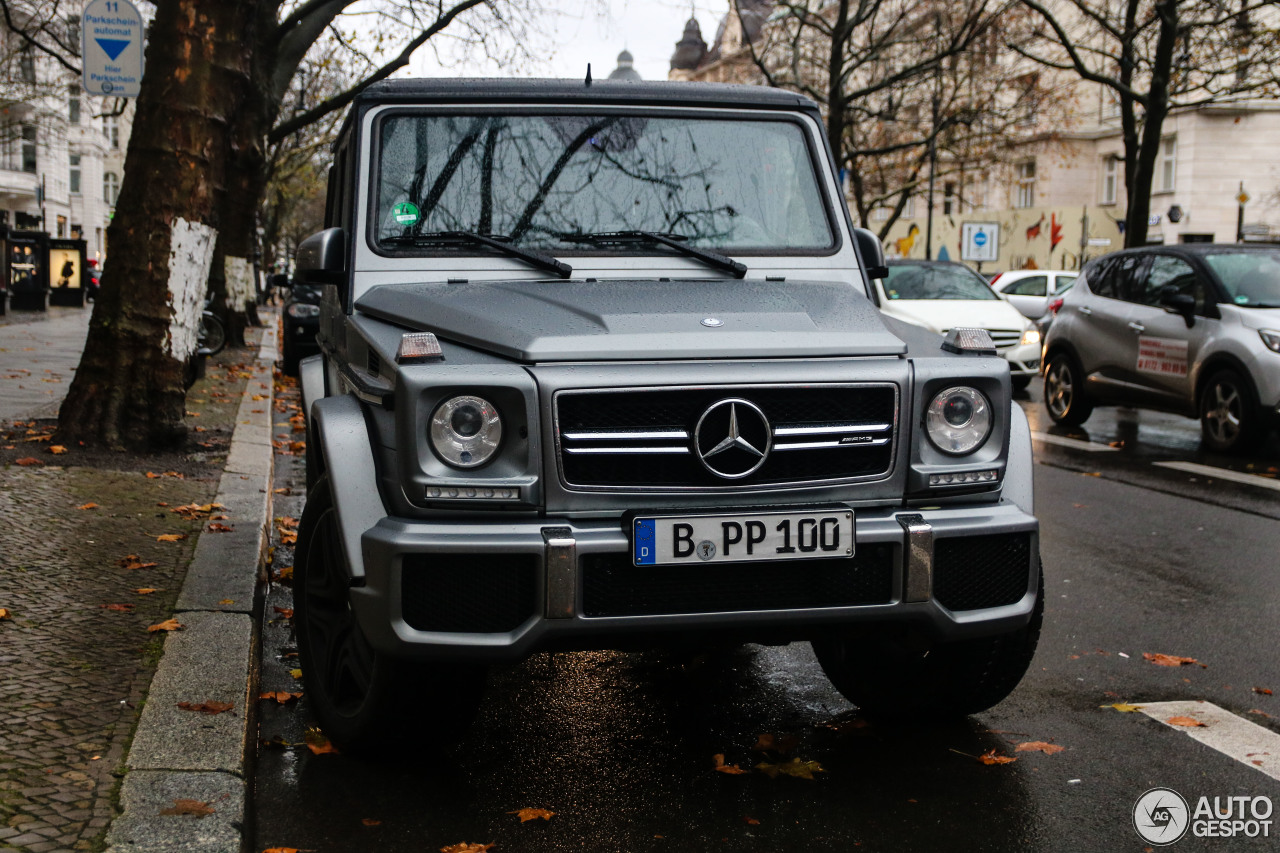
x,y
447,592
614,587
973,572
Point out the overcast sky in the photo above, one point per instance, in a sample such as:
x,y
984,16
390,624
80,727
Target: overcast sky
x,y
647,28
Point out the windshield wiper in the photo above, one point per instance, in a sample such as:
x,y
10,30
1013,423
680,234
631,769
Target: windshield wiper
x,y
496,242
674,241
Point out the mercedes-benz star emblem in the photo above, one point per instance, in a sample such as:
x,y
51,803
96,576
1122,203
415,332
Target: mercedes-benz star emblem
x,y
733,438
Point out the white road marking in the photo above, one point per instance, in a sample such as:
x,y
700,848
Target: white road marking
x,y
1235,737
1063,441
1222,474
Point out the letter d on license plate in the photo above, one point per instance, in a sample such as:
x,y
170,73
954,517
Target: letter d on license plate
x,y
818,534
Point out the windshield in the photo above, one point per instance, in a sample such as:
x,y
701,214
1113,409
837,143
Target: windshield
x,y
722,184
943,281
1252,279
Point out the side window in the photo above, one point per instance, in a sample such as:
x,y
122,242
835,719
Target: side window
x,y
1167,271
1129,277
1063,283
1101,282
1032,285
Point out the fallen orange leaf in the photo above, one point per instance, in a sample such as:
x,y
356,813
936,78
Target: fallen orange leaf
x,y
527,815
1039,746
166,625
57,449
795,767
750,820
286,612
767,742
466,847
29,460
990,757
132,561
281,696
219,528
194,808
171,537
123,608
368,821
5,615
1264,691
90,505
319,744
146,590
209,707
1171,660
721,767
1189,722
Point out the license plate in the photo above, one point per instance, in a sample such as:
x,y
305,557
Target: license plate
x,y
664,540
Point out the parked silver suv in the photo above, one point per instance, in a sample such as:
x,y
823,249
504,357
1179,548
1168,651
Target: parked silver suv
x,y
600,369
1192,329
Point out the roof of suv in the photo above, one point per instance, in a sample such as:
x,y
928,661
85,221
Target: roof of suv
x,y
482,90
1199,248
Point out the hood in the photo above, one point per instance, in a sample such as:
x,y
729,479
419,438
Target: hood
x,y
1253,318
942,314
622,319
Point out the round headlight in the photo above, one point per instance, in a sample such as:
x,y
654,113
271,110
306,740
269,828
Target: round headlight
x,y
958,420
466,431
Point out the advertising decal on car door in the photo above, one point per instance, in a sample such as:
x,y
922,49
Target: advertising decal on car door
x,y
1165,356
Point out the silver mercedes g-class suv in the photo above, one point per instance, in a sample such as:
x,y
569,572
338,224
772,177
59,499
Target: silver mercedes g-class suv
x,y
601,368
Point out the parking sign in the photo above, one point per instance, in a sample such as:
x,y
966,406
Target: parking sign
x,y
979,241
111,45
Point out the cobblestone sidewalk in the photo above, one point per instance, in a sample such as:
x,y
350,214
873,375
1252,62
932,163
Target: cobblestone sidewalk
x,y
76,656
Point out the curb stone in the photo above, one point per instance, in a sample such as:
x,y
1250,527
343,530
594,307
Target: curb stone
x,y
180,754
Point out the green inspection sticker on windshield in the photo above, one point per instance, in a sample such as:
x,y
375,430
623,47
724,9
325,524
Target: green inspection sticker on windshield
x,y
405,213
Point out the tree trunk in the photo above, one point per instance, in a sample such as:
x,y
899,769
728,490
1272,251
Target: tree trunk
x,y
129,391
1157,108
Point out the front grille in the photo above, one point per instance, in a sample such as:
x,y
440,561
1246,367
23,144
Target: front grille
x,y
973,572
1002,338
459,592
611,586
646,438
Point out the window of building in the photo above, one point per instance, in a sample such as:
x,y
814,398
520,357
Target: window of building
x,y
62,226
110,187
26,66
77,231
1110,103
1025,191
909,209
75,173
880,214
29,148
1168,163
948,197
73,104
1110,178
111,130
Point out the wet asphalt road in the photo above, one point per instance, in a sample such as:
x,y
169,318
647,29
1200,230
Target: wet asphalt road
x,y
1137,559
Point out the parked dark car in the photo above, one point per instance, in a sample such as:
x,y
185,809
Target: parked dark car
x,y
301,321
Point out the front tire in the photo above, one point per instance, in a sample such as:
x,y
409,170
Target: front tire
x,y
1064,395
366,702
1230,420
903,678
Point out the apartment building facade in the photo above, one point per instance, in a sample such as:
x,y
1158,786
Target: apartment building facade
x,y
1056,197
61,150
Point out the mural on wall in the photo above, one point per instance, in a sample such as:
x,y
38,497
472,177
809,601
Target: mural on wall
x,y
1038,238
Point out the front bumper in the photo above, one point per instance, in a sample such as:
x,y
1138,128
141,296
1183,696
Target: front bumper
x,y
500,590
1024,359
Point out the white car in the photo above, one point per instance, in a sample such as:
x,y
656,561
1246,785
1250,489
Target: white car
x,y
940,295
1031,291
